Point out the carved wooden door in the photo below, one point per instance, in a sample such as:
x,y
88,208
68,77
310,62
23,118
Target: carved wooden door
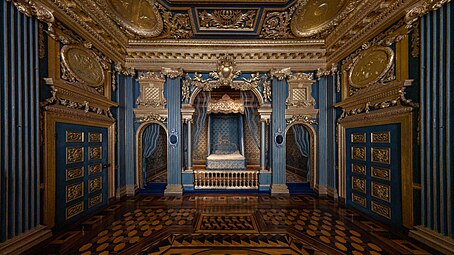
x,y
374,183
81,171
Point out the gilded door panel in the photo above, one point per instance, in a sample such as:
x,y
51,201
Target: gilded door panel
x,y
373,172
81,179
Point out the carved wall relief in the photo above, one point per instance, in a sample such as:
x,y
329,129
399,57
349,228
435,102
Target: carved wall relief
x,y
300,100
227,19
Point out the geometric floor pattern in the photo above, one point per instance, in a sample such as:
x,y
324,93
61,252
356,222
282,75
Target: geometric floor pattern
x,y
229,224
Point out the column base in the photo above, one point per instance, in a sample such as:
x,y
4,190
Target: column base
x,y
433,239
173,190
279,189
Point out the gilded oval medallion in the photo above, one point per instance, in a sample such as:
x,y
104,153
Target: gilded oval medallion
x,y
140,17
315,16
370,66
83,65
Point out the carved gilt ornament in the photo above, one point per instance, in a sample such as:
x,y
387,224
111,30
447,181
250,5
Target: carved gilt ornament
x,y
227,19
81,64
370,66
226,105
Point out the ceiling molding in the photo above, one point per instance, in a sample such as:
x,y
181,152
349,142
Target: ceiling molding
x,y
367,21
250,56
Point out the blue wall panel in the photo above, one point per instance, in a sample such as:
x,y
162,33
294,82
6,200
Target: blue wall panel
x,y
437,127
19,137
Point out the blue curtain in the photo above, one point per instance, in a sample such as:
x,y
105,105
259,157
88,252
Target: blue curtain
x,y
149,141
251,120
201,111
302,140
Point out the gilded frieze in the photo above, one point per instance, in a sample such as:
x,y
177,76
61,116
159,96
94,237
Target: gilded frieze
x,y
93,201
95,184
225,105
74,191
359,153
359,200
381,155
74,173
381,191
74,210
93,169
382,210
81,64
358,138
359,169
381,173
227,19
74,137
359,184
94,137
74,154
370,66
95,153
381,137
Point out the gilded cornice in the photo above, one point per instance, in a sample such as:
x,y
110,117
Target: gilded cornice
x,y
250,56
421,9
368,20
72,16
34,8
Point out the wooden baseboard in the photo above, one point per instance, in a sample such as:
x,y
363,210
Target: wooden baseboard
x,y
433,239
25,241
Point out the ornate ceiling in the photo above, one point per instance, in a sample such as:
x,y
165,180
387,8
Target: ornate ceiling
x,y
302,34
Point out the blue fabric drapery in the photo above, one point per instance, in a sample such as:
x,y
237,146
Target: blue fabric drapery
x,y
149,142
302,140
201,112
251,120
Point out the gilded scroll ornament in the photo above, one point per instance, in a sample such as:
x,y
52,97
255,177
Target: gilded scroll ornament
x,y
381,191
176,25
359,153
153,117
140,17
93,169
92,201
280,74
74,154
381,137
74,210
382,210
74,191
359,169
172,73
34,8
94,137
226,105
74,173
301,119
316,16
370,66
74,137
359,200
359,184
381,173
359,138
186,89
227,19
381,155
95,184
277,24
95,153
267,90
81,64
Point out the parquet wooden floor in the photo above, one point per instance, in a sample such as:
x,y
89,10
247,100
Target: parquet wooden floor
x,y
229,224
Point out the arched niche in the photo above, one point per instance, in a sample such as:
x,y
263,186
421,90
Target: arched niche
x,y
139,148
313,156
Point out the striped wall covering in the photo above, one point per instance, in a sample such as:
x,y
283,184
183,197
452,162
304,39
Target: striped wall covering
x,y
437,129
19,129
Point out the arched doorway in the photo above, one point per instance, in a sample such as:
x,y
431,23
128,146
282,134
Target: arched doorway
x,y
300,158
152,165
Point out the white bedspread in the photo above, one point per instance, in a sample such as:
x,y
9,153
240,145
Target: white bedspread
x,y
235,156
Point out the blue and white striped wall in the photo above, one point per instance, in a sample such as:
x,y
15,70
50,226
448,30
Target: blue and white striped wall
x,y
437,127
19,124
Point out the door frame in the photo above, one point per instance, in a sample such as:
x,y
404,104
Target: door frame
x,y
69,116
